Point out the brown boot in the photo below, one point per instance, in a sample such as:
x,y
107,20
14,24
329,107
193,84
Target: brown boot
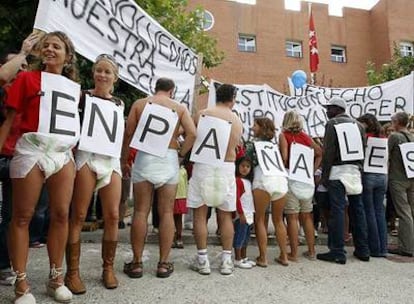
x,y
72,278
108,256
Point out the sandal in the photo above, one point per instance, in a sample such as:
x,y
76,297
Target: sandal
x,y
260,263
309,256
23,296
134,269
179,245
281,262
165,269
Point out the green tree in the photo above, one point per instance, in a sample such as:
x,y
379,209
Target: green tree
x,y
398,66
17,18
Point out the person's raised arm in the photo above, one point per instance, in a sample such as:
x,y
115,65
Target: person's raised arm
x,y
10,68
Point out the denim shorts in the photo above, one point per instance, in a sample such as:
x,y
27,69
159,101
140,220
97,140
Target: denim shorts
x,y
241,234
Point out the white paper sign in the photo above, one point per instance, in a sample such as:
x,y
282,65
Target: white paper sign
x,y
350,142
270,160
144,49
301,163
376,155
213,135
58,110
103,127
407,153
155,129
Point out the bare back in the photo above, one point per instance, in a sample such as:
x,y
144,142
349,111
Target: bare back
x,y
225,113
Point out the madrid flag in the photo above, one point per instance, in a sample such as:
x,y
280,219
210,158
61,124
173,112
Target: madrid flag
x,y
313,46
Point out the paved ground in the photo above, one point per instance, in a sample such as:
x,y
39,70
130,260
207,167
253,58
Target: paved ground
x,y
379,281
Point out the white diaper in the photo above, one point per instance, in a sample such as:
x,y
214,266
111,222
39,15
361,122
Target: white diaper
x,y
156,170
275,185
102,165
350,177
44,150
212,186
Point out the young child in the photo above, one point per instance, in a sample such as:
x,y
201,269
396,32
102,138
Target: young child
x,y
180,207
244,214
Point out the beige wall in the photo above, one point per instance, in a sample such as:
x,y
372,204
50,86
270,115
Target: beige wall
x,y
367,36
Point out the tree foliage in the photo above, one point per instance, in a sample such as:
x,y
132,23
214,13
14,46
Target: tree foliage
x,y
17,18
398,66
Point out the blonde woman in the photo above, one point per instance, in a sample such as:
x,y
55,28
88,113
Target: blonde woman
x,y
96,172
298,207
40,158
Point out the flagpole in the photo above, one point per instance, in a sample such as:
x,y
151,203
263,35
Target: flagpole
x,y
309,13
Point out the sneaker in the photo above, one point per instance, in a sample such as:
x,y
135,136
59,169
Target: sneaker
x,y
251,262
242,264
227,267
7,277
201,267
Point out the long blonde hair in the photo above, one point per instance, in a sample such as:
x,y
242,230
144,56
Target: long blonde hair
x,y
292,122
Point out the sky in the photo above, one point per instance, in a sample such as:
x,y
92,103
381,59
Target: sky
x,y
335,6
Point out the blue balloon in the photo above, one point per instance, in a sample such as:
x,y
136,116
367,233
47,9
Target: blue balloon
x,y
299,79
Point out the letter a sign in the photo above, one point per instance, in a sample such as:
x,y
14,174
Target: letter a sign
x,y
212,140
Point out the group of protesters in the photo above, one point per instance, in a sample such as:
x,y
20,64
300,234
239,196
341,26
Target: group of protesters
x,y
38,155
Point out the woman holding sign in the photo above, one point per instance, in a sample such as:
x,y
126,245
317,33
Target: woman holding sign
x,y
97,170
269,185
43,155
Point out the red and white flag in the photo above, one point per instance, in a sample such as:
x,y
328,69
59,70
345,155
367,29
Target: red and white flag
x,y
313,46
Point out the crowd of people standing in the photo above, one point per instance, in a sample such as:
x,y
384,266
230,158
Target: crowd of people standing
x,y
240,179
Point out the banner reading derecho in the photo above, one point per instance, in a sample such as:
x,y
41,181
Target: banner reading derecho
x,y
143,48
381,100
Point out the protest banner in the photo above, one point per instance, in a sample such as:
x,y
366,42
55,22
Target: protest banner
x,y
144,50
58,109
254,101
102,128
381,100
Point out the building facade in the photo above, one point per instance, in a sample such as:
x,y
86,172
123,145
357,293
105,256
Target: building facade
x,y
265,43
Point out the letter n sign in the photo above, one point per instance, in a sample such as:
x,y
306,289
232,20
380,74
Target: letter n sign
x,y
102,128
155,129
350,141
407,153
270,160
58,109
212,140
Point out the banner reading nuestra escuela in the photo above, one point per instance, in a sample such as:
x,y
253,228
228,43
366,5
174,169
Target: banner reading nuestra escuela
x,y
144,50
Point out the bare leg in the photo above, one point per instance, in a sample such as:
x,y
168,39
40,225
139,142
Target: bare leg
x,y
261,201
243,252
26,192
166,199
143,192
60,189
84,184
307,222
277,217
226,229
110,197
200,226
292,224
178,222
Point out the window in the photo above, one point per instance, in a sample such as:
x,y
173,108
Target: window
x,y
208,21
406,49
293,49
338,54
247,43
